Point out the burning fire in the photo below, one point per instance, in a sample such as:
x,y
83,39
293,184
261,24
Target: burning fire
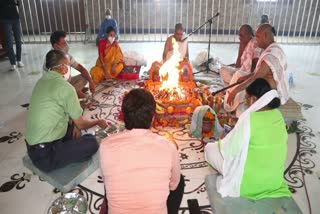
x,y
169,73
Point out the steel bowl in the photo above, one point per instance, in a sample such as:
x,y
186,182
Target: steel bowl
x,y
69,203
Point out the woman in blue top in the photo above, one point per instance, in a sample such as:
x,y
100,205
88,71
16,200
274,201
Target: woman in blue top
x,y
108,21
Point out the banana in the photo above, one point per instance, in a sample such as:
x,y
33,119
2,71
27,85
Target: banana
x,y
183,122
159,109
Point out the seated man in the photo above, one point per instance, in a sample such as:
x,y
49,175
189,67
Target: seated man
x,y
242,157
183,45
110,61
139,167
108,21
51,142
59,42
272,66
248,55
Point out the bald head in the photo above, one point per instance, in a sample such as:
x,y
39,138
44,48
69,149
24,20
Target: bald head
x,y
265,28
265,35
178,31
178,26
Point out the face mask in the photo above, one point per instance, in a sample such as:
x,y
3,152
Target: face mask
x,y
67,75
111,39
108,17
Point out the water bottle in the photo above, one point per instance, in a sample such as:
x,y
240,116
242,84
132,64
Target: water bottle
x,y
291,83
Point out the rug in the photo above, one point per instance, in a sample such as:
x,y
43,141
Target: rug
x,y
193,166
301,170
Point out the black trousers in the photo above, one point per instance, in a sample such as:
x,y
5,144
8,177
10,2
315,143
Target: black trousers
x,y
173,201
175,197
59,153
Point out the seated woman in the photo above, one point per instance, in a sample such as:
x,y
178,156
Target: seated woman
x,y
110,61
251,157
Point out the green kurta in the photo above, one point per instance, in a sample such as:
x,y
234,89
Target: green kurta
x,y
263,173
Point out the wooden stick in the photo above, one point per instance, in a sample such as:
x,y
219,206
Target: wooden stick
x,y
225,88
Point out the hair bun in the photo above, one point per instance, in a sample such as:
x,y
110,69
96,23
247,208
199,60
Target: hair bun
x,y
275,103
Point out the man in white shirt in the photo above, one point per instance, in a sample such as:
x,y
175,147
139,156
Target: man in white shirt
x,y
59,42
182,44
248,55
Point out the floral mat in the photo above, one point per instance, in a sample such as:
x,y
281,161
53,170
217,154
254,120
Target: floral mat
x,y
19,186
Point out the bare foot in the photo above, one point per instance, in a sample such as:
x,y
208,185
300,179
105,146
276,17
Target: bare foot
x,y
81,94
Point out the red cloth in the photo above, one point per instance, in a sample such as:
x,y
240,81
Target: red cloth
x,y
104,44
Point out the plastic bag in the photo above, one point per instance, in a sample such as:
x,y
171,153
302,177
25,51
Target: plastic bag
x,y
201,60
134,58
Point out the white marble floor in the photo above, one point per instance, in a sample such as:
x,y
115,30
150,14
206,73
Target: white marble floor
x,y
16,89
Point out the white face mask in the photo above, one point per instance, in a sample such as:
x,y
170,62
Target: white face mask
x,y
108,17
111,39
67,75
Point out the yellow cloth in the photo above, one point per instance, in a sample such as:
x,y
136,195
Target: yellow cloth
x,y
112,57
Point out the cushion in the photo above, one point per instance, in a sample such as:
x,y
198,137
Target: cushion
x,y
66,178
241,205
291,111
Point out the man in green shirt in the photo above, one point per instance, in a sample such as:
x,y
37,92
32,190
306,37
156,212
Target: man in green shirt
x,y
51,141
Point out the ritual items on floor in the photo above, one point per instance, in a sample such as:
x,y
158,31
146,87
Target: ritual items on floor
x,y
227,119
133,62
204,123
207,124
69,203
110,130
175,93
130,72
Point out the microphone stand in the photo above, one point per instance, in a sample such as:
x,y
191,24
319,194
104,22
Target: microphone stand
x,y
207,68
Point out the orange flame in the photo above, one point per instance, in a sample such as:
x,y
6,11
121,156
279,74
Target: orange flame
x,y
170,69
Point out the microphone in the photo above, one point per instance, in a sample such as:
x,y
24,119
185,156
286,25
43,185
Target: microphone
x,y
217,14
